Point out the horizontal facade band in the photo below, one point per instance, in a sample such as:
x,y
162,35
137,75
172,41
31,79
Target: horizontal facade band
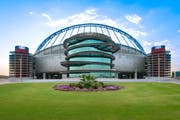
x,y
80,63
109,47
90,54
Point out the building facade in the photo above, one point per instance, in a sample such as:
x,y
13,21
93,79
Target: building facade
x,y
20,62
176,74
96,49
158,62
89,53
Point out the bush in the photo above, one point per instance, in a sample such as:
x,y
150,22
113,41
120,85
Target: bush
x,y
87,83
72,85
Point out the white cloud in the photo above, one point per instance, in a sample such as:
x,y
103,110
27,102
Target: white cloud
x,y
46,16
178,31
30,12
133,18
164,42
147,45
135,33
91,16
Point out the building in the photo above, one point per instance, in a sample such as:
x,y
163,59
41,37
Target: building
x,y
89,53
96,49
176,74
20,62
158,62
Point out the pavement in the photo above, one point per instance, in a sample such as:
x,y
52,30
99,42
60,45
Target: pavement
x,y
164,80
4,81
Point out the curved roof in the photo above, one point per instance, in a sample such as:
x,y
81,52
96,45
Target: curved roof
x,y
117,35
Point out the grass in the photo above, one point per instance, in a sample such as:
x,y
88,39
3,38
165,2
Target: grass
x,y
138,101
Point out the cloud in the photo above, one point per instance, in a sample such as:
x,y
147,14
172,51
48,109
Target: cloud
x,y
133,18
168,45
91,16
47,16
135,33
147,45
178,31
30,12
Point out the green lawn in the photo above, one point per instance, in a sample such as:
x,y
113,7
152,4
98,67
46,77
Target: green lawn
x,y
138,101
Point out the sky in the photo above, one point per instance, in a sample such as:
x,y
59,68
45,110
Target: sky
x,y
29,22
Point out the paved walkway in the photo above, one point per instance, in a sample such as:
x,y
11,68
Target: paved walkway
x,y
4,81
165,80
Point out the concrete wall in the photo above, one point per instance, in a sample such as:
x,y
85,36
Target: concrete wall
x,y
128,62
49,60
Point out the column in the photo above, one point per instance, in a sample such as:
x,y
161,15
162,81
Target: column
x,y
135,74
44,75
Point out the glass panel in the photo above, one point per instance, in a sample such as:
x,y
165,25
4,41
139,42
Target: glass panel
x,y
90,67
91,59
83,49
96,74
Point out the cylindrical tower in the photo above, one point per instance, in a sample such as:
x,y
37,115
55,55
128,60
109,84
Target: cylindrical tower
x,y
90,53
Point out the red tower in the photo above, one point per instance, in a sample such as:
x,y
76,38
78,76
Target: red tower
x,y
158,62
20,62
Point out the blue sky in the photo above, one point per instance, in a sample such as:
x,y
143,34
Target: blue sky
x,y
29,22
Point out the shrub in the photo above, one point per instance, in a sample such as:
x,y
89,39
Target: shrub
x,y
72,85
87,83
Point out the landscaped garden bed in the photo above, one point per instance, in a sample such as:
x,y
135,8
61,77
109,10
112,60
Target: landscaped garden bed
x,y
87,83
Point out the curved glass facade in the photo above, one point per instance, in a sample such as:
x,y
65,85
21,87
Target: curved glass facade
x,y
82,49
85,54
91,59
